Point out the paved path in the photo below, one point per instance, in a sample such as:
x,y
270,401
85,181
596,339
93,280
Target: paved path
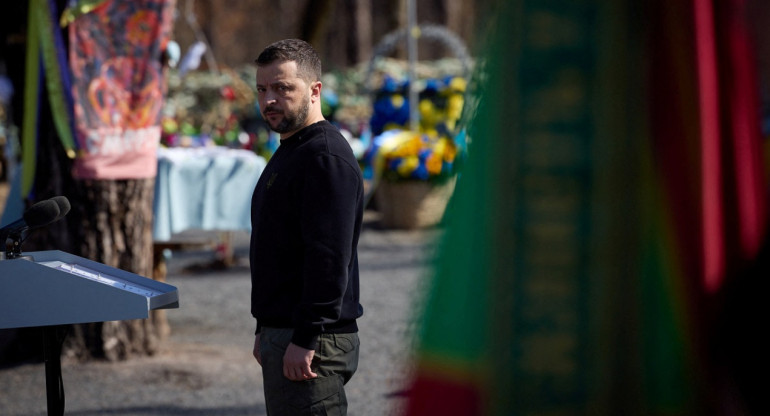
x,y
206,367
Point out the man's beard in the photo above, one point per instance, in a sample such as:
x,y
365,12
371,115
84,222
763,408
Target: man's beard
x,y
292,121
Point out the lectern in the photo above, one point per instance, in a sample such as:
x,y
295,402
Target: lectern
x,y
50,288
55,288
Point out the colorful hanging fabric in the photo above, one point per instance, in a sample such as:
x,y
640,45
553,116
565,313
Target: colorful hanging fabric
x,y
118,86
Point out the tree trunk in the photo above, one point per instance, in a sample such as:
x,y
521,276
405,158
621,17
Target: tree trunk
x,y
116,218
362,39
314,23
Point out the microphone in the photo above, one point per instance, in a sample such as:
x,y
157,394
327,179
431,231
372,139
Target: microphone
x,y
38,215
64,206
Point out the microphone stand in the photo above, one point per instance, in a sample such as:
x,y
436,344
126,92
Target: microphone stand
x,y
12,251
54,384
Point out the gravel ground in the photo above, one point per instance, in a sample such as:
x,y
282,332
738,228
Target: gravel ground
x,y
206,367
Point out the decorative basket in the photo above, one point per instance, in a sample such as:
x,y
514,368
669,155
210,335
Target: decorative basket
x,y
417,199
412,204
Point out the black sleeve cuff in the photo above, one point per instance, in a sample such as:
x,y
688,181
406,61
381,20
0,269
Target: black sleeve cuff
x,y
305,339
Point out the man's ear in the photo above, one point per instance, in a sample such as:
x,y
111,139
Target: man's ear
x,y
315,91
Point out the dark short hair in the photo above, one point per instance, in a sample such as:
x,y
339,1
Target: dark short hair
x,y
297,50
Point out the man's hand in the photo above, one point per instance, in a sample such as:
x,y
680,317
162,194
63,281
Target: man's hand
x,y
256,350
296,363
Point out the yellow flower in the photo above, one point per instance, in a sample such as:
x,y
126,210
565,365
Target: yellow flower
x,y
455,106
397,101
451,152
429,115
458,84
445,149
431,133
440,147
433,163
408,165
409,147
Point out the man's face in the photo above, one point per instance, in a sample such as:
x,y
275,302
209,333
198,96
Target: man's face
x,y
284,97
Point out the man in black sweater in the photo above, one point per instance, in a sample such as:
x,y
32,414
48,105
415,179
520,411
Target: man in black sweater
x,y
306,215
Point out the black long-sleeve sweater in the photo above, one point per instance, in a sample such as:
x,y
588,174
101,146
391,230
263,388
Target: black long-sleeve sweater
x,y
306,215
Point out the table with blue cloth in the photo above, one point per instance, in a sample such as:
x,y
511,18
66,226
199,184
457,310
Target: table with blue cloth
x,y
206,188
